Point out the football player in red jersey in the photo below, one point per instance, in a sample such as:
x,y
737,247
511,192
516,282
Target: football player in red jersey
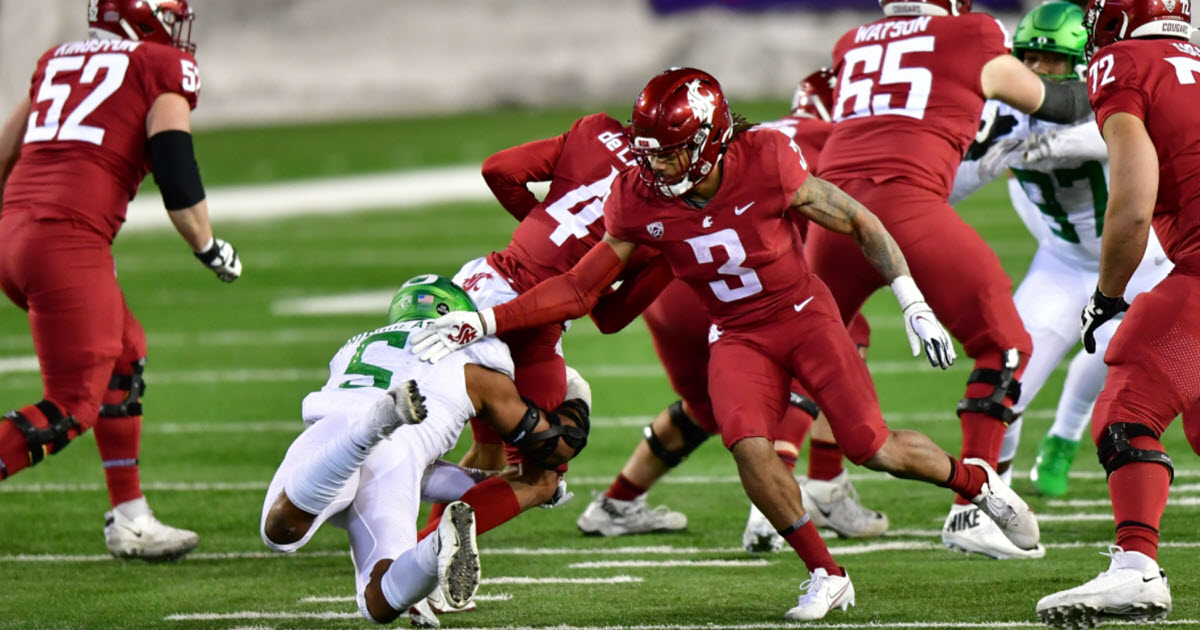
x,y
719,206
1142,77
910,91
101,113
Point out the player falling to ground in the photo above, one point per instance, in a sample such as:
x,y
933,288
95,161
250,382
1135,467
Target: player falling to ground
x,y
910,91
1142,76
1059,189
371,447
101,113
680,339
718,202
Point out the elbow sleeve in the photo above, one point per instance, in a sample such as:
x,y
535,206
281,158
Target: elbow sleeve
x,y
569,296
1065,102
173,162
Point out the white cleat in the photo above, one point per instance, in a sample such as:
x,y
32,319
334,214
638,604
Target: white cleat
x,y
822,593
1133,589
760,535
131,531
438,604
968,530
402,404
1006,508
610,517
422,616
458,556
834,504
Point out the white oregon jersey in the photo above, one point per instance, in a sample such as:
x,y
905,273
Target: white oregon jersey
x,y
370,363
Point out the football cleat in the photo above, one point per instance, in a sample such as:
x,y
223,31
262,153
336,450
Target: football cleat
x,y
1054,458
610,517
1006,508
438,604
402,404
421,614
1133,589
968,530
131,531
822,593
834,504
760,535
458,556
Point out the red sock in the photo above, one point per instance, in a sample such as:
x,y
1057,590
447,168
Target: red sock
x,y
431,524
965,479
812,550
118,441
623,489
788,457
1139,496
824,460
495,503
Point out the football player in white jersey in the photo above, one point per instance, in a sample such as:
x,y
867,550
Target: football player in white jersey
x,y
371,447
1059,188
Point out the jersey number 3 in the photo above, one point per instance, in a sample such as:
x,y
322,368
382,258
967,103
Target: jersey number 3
x,y
703,247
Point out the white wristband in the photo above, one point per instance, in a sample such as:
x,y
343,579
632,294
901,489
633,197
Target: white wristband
x,y
906,292
489,321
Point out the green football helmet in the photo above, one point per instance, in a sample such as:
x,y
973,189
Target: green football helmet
x,y
427,297
1055,27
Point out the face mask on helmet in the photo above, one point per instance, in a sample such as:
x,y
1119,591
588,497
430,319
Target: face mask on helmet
x,y
680,126
900,8
814,95
1110,21
162,21
1057,28
428,297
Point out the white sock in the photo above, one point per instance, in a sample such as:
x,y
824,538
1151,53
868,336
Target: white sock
x,y
444,482
319,480
411,577
1085,379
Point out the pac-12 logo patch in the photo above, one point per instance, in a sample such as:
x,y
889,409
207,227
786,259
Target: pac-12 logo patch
x,y
655,229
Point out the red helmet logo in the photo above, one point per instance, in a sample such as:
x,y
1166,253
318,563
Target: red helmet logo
x,y
1109,21
924,7
814,95
162,21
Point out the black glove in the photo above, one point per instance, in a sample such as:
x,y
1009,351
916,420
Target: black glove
x,y
222,258
1100,309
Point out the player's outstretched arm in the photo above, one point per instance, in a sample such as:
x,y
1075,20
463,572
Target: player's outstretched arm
x,y
173,162
549,438
1006,79
11,137
509,172
833,209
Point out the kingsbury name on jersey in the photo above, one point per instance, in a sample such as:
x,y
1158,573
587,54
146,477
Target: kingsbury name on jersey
x,y
96,45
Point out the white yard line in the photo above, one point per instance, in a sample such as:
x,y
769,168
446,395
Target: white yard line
x,y
336,599
1080,503
250,614
514,579
639,564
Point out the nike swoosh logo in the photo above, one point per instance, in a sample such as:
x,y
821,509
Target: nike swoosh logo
x,y
799,307
739,211
1149,579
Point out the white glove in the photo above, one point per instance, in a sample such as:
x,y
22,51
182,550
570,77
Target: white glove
x,y
450,332
222,258
1038,147
1065,144
560,497
922,326
577,387
1000,157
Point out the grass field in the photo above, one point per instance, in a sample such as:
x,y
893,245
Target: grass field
x,y
229,365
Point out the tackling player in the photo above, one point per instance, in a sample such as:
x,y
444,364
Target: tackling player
x,y
101,113
1142,76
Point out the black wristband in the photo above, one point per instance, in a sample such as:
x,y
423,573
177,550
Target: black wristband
x,y
173,163
1065,102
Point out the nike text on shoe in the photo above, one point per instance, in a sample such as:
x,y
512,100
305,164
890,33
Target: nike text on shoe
x,y
402,404
1133,589
760,535
458,557
822,593
968,530
1006,508
834,504
144,537
610,517
438,604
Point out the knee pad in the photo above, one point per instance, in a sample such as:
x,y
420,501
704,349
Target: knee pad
x,y
52,439
1114,449
133,386
805,404
1005,385
693,436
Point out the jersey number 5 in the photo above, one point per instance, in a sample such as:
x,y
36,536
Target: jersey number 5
x,y
57,93
382,378
703,247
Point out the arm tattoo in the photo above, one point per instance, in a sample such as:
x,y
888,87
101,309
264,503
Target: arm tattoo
x,y
832,209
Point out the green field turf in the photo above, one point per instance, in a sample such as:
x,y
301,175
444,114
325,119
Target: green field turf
x,y
226,375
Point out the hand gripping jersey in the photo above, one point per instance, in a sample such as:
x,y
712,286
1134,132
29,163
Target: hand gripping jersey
x,y
740,252
1156,80
84,151
909,97
368,364
581,166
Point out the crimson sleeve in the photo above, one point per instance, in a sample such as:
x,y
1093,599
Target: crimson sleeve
x,y
508,172
169,70
616,310
568,296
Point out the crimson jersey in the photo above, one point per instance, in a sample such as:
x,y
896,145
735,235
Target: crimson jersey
x,y
1155,80
909,97
741,252
809,133
84,152
581,165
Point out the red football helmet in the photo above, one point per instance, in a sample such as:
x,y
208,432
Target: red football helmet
x,y
1109,21
680,109
163,21
924,7
814,95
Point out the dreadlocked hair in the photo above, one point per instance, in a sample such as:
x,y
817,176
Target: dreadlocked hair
x,y
740,124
